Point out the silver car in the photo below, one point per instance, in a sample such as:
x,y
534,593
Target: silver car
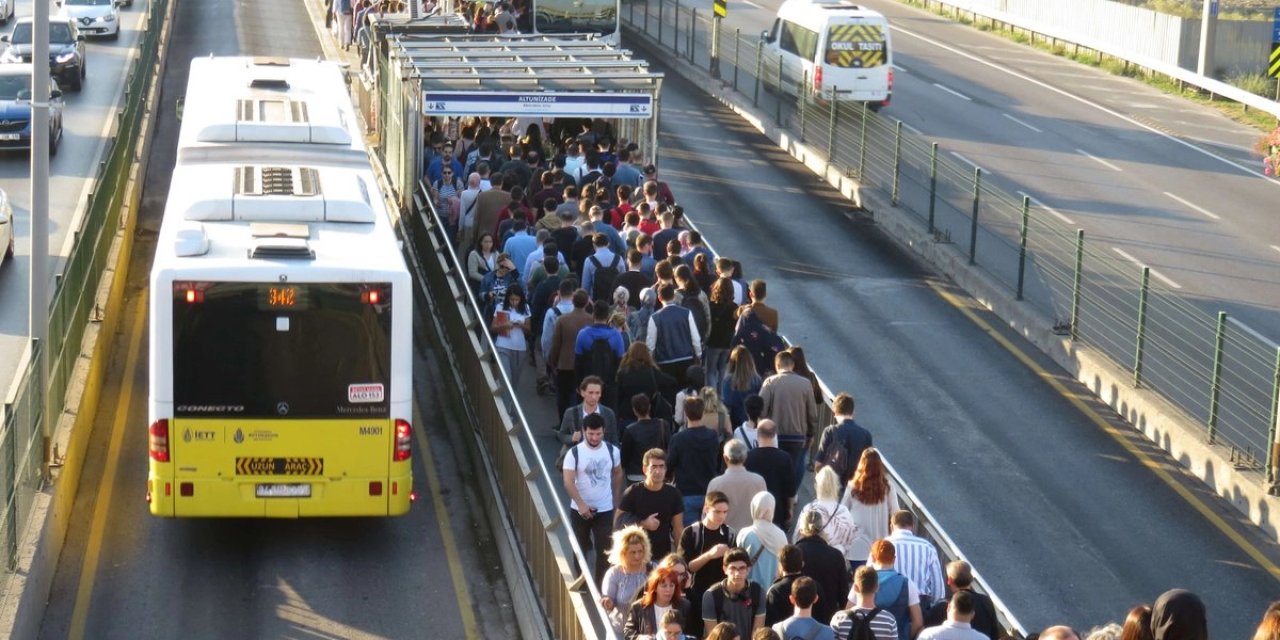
x,y
6,228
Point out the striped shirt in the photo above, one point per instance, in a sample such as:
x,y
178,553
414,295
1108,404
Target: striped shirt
x,y
917,559
884,626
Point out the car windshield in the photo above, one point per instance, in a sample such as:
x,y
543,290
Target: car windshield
x,y
59,33
89,3
15,87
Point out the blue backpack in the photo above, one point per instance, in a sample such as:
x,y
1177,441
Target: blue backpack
x,y
892,597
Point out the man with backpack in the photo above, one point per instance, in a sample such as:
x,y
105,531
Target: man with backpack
x,y
704,544
593,479
842,443
735,599
601,269
863,620
598,350
801,625
897,594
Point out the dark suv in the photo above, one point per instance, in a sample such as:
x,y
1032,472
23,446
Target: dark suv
x,y
66,50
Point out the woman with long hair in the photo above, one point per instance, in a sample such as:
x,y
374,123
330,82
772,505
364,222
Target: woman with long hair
x,y
838,527
725,631
719,338
802,368
630,559
1137,625
511,326
740,382
638,374
763,539
695,378
714,415
702,271
1268,629
662,593
481,260
870,500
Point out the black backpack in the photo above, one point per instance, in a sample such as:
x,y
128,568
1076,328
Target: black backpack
x,y
603,278
759,340
839,455
861,621
599,360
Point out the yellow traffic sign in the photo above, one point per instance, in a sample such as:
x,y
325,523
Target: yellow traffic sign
x,y
1273,67
721,7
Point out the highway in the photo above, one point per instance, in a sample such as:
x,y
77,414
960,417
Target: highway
x,y
1065,522
86,121
126,574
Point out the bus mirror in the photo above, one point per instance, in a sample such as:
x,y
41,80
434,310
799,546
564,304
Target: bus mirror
x,y
181,102
764,36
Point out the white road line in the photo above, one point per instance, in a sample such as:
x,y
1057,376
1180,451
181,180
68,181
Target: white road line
x,y
1086,101
1098,160
1155,274
953,92
1046,207
968,162
1197,208
1022,123
897,67
912,129
754,4
1275,247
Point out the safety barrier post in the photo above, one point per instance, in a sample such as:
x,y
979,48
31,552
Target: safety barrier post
x,y
831,127
1142,326
1215,381
693,36
973,224
646,18
737,44
1022,242
897,161
755,99
800,90
862,143
778,90
933,182
675,43
1075,283
1273,460
660,3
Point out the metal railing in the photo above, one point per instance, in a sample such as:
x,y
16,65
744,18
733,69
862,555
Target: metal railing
x,y
1215,369
569,596
27,405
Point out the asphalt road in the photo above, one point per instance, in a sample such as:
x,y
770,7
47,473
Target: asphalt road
x,y
1066,524
126,574
86,117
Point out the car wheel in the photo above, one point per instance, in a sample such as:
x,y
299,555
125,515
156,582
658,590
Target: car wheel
x,y
8,253
55,139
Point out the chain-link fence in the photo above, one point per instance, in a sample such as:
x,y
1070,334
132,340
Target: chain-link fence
x,y
1220,372
22,448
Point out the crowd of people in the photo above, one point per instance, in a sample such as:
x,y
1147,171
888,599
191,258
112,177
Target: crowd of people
x,y
687,424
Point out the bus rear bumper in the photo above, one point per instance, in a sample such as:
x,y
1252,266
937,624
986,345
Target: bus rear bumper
x,y
238,497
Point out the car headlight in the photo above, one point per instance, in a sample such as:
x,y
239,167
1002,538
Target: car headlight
x,y
108,18
63,58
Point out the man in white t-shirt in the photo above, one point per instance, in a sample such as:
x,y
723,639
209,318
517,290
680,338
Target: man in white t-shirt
x,y
593,479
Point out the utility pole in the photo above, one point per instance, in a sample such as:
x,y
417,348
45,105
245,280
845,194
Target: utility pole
x,y
38,312
1208,34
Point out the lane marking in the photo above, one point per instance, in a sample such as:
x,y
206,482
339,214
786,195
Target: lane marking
x,y
1098,160
1022,123
968,162
1121,437
444,524
102,502
912,129
953,92
1155,274
1277,248
896,67
1086,101
1197,208
753,4
1047,208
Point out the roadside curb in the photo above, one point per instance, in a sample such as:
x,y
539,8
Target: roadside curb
x,y
41,544
1156,418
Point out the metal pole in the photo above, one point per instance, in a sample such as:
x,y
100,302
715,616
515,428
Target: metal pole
x,y
1273,460
804,81
862,143
646,17
1216,379
897,161
973,225
737,46
933,182
693,35
38,298
660,3
1142,325
1075,283
1022,243
676,26
778,88
831,128
755,99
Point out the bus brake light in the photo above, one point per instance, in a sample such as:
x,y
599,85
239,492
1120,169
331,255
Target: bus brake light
x,y
817,80
158,442
404,444
194,296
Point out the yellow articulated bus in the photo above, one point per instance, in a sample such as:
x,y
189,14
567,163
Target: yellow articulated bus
x,y
281,308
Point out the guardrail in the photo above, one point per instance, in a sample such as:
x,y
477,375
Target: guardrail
x,y
1209,85
1222,374
23,451
570,599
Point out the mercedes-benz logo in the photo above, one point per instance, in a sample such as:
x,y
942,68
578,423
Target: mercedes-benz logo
x,y
282,408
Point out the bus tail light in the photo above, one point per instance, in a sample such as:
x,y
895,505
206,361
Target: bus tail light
x,y
158,441
404,441
817,80
375,488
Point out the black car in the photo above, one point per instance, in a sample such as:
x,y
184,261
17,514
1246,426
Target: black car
x,y
66,50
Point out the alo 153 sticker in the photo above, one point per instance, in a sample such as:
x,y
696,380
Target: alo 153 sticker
x,y
360,393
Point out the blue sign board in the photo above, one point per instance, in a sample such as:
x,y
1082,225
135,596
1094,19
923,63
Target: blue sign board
x,y
541,103
1275,26
1213,8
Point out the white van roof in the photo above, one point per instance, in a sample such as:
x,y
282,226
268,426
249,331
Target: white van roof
x,y
839,7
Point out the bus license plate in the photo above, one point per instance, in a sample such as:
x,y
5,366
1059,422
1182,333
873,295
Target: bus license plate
x,y
284,491
9,136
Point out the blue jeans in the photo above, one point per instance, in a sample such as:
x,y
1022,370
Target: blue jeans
x,y
692,509
717,360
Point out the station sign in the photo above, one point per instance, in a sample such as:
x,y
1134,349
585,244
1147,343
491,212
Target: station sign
x,y
542,103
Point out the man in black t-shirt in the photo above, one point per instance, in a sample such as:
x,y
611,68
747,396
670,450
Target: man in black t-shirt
x,y
653,504
777,469
703,545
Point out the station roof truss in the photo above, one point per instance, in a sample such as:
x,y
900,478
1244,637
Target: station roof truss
x,y
520,63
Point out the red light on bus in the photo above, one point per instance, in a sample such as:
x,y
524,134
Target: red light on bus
x,y
158,440
372,296
187,489
404,441
193,296
375,488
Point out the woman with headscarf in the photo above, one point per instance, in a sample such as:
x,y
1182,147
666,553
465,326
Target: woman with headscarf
x,y
763,540
638,319
1179,614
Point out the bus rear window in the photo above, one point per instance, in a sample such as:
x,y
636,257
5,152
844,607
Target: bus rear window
x,y
267,350
857,46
